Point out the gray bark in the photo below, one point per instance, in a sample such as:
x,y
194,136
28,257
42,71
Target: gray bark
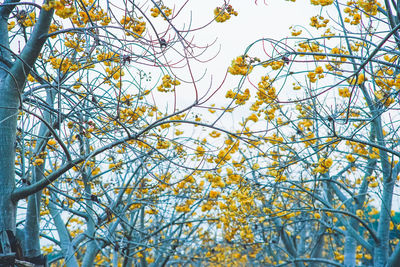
x,y
8,126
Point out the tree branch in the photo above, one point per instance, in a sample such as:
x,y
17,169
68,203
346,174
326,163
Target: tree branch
x,y
30,53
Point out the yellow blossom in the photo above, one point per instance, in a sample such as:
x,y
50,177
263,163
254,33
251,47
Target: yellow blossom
x,y
239,66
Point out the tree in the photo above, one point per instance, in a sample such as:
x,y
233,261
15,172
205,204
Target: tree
x,y
94,165
316,171
108,160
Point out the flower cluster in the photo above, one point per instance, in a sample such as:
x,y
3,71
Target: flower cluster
x,y
354,17
322,2
115,166
168,84
275,64
318,22
316,74
76,44
10,25
63,64
134,27
129,116
61,10
384,97
108,57
323,165
311,47
222,15
27,20
357,81
240,66
54,28
344,92
155,11
369,6
296,33
240,98
266,93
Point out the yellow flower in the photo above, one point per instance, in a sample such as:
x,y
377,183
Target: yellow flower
x,y
199,151
350,158
319,70
323,165
296,87
44,212
256,166
344,92
168,84
357,81
253,117
215,134
328,162
239,66
48,249
296,33
223,15
359,213
10,25
374,184
65,12
312,77
321,2
213,194
155,12
38,162
52,142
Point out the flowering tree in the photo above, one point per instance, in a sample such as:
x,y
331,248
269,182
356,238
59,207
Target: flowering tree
x,y
112,154
95,167
313,179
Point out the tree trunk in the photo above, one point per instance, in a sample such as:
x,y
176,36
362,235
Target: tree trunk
x,y
32,223
66,245
350,247
9,103
381,253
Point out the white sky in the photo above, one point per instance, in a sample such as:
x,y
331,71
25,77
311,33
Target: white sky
x,y
271,19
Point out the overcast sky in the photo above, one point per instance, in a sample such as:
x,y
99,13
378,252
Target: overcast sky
x,y
271,19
